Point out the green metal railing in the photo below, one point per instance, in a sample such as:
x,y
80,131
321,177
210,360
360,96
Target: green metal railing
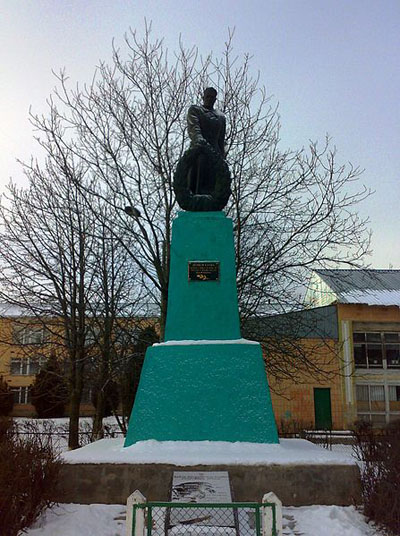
x,y
246,518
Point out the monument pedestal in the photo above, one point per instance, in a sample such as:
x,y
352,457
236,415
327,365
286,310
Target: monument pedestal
x,y
203,395
203,392
205,382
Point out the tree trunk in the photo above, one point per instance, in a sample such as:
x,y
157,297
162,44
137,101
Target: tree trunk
x,y
73,437
163,312
76,382
98,430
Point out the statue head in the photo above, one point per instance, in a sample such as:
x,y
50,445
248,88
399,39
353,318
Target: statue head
x,y
209,97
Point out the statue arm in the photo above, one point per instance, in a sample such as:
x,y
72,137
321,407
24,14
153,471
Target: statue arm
x,y
193,126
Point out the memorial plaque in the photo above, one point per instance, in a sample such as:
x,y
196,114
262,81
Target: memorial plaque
x,y
202,487
203,271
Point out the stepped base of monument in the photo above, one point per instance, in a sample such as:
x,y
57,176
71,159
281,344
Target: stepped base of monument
x,y
295,485
297,471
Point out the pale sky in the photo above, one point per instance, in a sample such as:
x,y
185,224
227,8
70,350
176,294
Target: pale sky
x,y
333,66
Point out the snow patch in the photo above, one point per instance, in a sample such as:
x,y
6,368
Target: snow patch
x,y
81,520
371,297
107,520
330,521
186,453
204,341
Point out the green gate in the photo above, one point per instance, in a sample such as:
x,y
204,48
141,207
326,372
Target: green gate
x,y
247,519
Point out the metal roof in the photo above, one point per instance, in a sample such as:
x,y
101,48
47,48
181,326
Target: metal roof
x,y
316,323
372,287
8,310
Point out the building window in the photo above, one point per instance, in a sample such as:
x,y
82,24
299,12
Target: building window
x,y
394,398
376,350
26,366
392,349
378,403
28,334
22,395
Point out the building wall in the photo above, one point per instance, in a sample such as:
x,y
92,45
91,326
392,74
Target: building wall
x,y
293,400
368,313
381,385
11,350
8,351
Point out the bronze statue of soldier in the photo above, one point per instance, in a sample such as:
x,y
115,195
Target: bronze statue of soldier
x,y
205,126
202,179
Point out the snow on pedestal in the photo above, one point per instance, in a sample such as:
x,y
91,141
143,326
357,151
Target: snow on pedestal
x,y
186,453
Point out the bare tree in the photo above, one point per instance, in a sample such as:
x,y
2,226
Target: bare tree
x,y
292,210
69,273
45,245
114,315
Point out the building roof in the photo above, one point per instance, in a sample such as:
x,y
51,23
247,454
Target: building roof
x,y
371,287
8,310
316,323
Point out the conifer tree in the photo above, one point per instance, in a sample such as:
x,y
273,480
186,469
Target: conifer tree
x,y
6,398
49,391
130,374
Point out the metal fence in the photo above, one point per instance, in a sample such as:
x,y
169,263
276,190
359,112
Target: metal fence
x,y
57,434
199,519
50,432
342,441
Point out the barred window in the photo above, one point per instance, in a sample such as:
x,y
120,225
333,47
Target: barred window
x,y
18,366
392,348
86,395
92,335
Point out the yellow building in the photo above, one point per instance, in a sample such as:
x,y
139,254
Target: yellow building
x,y
350,332
26,343
21,355
305,372
356,313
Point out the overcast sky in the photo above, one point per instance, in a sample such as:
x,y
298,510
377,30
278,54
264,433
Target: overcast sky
x,y
333,66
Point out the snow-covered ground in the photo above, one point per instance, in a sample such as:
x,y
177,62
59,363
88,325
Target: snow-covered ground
x,y
109,520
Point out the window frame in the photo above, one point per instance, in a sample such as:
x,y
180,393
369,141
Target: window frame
x,y
388,413
383,343
29,334
23,393
26,365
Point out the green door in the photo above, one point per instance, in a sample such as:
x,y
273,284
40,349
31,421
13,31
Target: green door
x,y
322,408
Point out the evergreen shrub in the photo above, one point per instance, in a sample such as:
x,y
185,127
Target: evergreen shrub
x,y
49,392
6,398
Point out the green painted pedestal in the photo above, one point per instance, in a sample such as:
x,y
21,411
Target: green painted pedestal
x,y
214,389
205,310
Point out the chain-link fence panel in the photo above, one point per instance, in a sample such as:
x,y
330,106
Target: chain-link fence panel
x,y
183,519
